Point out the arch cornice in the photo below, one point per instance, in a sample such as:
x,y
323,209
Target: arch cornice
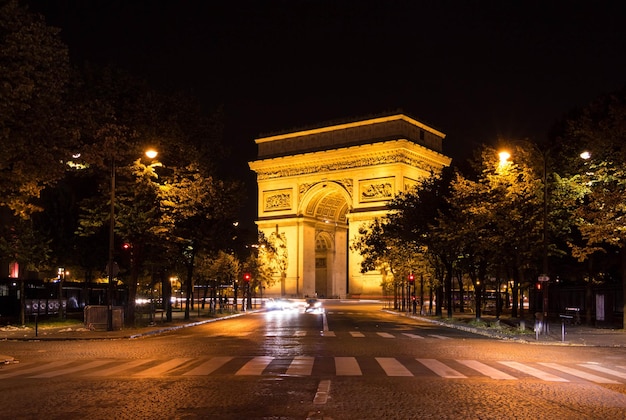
x,y
390,152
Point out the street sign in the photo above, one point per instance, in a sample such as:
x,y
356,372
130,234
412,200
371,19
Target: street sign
x,y
543,277
115,271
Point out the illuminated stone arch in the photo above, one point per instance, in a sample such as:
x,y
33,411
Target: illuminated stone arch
x,y
316,187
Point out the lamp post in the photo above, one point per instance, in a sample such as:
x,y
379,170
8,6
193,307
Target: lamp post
x,y
543,277
112,269
110,273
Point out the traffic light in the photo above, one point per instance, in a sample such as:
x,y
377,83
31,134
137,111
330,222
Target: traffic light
x,y
246,277
411,278
126,245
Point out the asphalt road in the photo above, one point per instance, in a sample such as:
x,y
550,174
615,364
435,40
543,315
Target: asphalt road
x,y
352,361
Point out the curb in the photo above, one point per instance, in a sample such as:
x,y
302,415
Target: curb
x,y
496,335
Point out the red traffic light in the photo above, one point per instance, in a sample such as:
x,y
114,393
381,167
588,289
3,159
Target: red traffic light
x,y
126,245
246,277
411,278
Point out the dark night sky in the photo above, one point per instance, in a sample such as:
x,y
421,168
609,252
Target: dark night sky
x,y
476,70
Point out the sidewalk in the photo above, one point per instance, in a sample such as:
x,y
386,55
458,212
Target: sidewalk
x,y
80,332
558,333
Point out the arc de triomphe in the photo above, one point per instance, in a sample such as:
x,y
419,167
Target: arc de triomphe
x,y
317,186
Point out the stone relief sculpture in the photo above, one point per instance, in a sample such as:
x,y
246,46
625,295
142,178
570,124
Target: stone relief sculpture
x,y
278,201
376,191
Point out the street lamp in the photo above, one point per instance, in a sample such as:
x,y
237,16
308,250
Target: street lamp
x,y
110,263
504,156
112,269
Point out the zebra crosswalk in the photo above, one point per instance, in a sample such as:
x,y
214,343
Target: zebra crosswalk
x,y
344,366
361,334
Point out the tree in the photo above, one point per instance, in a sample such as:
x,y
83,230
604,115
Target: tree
x,y
260,265
415,217
222,270
515,206
197,214
384,250
403,240
275,253
35,142
600,129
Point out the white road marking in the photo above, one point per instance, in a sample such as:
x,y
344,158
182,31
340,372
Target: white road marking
x,y
347,366
323,389
386,335
441,369
581,374
301,365
209,366
122,367
486,369
324,322
533,372
604,370
163,367
357,334
413,335
393,367
72,369
36,368
255,366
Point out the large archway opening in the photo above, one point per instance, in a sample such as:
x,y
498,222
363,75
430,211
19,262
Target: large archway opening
x,y
326,208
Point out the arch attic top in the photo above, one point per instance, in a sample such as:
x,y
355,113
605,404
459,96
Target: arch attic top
x,y
368,131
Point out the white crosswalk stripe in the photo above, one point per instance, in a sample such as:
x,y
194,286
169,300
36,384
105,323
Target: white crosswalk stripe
x,y
577,372
545,376
72,369
393,367
441,369
357,334
209,366
386,335
347,366
121,367
255,366
602,369
412,335
301,365
162,368
50,365
486,370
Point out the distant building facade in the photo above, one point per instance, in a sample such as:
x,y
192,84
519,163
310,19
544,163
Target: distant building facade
x,y
317,186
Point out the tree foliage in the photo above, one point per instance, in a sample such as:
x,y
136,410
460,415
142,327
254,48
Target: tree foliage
x,y
34,136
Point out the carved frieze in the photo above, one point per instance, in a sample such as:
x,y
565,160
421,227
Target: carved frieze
x,y
372,159
409,184
277,200
379,189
